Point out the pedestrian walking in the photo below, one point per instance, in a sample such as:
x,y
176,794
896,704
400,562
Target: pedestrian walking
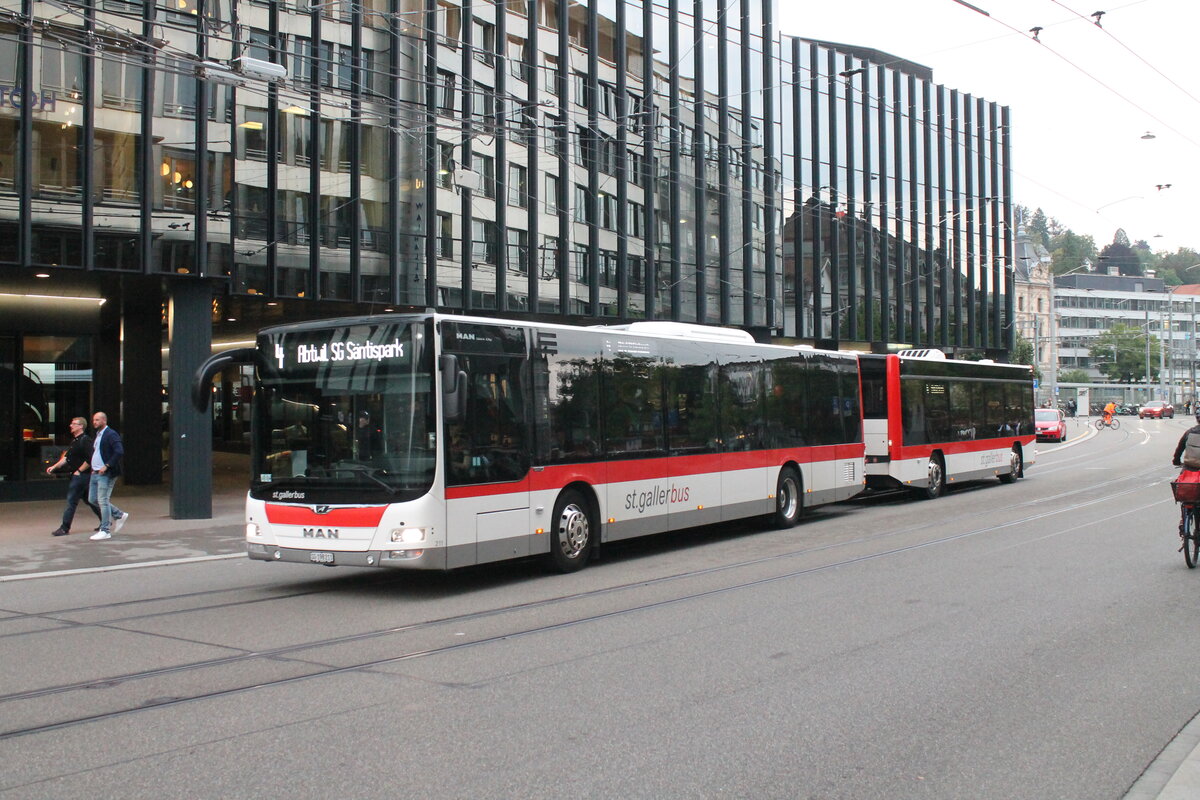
x,y
76,460
107,452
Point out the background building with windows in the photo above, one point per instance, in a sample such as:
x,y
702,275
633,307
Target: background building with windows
x,y
1089,304
184,173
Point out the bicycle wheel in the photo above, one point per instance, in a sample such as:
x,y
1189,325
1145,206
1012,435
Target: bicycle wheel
x,y
1190,536
1116,424
1100,424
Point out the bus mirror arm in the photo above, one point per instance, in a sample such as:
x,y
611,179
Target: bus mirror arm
x,y
202,382
453,381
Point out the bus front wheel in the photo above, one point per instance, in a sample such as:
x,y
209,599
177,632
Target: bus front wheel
x,y
571,536
789,502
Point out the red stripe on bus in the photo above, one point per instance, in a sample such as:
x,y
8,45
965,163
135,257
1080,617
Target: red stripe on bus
x,y
356,517
599,473
973,446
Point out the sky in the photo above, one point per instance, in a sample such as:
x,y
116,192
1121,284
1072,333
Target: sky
x,y
1082,98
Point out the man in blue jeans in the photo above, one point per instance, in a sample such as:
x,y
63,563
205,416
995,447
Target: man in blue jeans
x,y
75,459
106,467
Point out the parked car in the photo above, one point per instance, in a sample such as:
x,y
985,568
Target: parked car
x,y
1157,409
1049,425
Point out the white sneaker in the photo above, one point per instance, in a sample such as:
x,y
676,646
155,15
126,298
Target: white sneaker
x,y
98,535
119,522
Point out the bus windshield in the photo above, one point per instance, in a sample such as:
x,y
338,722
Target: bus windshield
x,y
348,409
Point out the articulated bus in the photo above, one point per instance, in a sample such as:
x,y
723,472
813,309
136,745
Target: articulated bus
x,y
433,441
929,420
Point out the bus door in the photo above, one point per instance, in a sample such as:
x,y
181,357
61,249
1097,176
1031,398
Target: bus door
x,y
488,448
873,370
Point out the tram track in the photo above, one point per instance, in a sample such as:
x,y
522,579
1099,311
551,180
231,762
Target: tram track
x,y
1097,493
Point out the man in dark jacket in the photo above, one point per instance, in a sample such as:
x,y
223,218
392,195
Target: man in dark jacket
x,y
75,459
106,466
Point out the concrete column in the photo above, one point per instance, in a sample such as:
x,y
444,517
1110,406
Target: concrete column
x,y
141,400
189,322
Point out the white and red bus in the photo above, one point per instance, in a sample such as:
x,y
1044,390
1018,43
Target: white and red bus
x,y
432,441
929,421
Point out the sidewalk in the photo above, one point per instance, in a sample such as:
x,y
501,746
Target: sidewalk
x,y
26,546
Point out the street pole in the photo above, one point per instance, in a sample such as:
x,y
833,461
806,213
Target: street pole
x,y
1170,358
1147,329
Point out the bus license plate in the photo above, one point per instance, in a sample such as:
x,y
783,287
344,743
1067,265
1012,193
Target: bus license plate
x,y
321,558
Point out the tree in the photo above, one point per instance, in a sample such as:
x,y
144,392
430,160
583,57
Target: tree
x,y
1068,250
1022,353
1074,376
1120,254
1120,353
1173,267
1039,229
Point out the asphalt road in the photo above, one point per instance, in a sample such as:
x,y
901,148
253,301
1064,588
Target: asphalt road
x,y
1035,640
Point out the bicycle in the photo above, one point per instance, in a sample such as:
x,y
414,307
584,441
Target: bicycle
x,y
1188,497
1111,422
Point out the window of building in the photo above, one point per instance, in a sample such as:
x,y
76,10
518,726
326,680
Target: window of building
x,y
446,97
445,241
116,167
448,23
518,191
518,57
62,63
548,262
483,241
178,178
485,165
518,251
445,171
56,165
581,264
483,101
483,39
252,134
551,194
581,204
121,80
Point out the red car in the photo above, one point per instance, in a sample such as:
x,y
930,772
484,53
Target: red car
x,y
1049,425
1157,409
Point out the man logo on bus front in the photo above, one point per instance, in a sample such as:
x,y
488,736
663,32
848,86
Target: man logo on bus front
x,y
321,509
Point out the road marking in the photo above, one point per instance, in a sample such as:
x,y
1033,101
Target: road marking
x,y
114,567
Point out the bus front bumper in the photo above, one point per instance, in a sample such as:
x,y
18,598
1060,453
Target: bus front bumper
x,y
398,559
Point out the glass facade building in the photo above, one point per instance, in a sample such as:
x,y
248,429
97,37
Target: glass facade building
x,y
897,198
208,167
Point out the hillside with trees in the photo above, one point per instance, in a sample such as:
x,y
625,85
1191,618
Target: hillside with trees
x,y
1068,250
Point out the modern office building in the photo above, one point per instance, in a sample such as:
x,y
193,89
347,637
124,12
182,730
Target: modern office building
x,y
174,176
897,199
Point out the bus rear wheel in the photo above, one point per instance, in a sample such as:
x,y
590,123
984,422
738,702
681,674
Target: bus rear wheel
x,y
789,502
1016,467
571,536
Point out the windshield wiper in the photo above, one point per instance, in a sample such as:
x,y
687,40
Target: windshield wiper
x,y
368,472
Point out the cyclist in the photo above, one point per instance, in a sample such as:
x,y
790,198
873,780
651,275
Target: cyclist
x,y
1185,456
1108,412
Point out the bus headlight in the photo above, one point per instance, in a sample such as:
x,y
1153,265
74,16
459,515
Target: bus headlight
x,y
252,530
408,535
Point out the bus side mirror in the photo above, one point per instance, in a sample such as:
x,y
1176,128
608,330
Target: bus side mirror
x,y
454,383
202,380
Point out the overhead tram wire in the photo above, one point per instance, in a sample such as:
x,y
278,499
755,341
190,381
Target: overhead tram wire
x,y
1090,76
1131,52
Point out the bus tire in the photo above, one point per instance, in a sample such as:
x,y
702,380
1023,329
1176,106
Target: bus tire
x,y
789,498
571,536
936,484
1016,467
